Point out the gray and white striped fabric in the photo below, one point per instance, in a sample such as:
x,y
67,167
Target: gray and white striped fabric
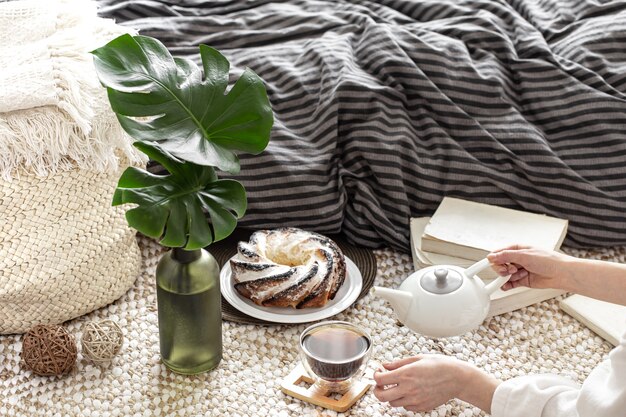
x,y
382,108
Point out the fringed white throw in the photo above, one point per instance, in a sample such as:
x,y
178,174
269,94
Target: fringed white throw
x,y
64,251
54,114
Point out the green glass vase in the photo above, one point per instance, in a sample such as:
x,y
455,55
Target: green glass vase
x,y
189,309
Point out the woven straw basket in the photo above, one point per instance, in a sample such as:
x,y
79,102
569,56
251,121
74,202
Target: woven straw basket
x,y
64,251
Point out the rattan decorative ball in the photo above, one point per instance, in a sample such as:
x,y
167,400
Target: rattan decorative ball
x,y
101,341
49,350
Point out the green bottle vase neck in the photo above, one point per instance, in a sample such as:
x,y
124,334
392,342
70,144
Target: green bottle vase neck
x,y
186,256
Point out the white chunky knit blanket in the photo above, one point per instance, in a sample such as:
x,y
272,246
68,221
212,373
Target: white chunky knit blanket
x,y
54,115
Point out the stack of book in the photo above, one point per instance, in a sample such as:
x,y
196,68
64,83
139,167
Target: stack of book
x,y
462,232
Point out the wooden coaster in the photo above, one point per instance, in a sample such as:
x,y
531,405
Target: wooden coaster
x,y
313,395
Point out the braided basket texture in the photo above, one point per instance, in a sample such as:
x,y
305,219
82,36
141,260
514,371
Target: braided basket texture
x,y
64,251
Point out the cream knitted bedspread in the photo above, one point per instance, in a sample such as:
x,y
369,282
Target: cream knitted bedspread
x,y
54,114
540,338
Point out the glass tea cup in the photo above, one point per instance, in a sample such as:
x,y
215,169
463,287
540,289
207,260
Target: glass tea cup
x,y
335,354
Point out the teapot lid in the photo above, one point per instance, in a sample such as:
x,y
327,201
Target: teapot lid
x,y
441,281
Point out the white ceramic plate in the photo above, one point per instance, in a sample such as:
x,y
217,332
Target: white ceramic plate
x,y
347,294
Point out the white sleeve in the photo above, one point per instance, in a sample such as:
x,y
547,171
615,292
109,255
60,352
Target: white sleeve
x,y
535,396
603,393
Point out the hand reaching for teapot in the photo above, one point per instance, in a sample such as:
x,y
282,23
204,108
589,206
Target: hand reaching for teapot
x,y
530,267
423,382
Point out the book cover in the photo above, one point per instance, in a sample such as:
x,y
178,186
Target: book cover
x,y
470,230
606,319
516,298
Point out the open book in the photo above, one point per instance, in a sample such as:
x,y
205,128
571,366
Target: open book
x,y
469,230
606,319
422,258
501,301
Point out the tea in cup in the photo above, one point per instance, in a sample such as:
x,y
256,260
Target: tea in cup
x,y
334,353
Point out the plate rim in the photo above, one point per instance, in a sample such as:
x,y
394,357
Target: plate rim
x,y
351,296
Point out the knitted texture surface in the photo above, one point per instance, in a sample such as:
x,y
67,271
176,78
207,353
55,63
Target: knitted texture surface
x,y
540,338
64,251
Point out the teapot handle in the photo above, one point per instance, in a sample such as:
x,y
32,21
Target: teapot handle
x,y
477,267
496,284
481,265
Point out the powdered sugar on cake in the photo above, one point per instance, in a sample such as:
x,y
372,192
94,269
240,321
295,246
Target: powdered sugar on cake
x,y
288,267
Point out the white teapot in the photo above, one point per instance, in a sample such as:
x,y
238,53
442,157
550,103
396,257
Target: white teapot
x,y
442,300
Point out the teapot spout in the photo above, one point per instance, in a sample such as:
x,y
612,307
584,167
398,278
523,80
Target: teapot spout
x,y
400,300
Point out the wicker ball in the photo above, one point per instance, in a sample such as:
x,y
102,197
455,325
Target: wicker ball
x,y
101,341
49,350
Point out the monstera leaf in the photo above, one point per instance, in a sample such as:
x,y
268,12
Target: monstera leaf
x,y
172,207
166,100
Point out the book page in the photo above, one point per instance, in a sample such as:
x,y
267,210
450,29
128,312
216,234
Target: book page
x,y
488,227
422,258
418,225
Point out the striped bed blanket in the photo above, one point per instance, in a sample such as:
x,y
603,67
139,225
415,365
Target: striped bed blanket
x,y
382,108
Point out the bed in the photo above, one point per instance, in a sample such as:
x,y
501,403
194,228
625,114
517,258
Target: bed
x,y
382,108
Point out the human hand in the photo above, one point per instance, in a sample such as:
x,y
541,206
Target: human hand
x,y
423,382
530,267
418,383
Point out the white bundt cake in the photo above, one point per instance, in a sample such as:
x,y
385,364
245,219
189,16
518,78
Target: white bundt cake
x,y
288,267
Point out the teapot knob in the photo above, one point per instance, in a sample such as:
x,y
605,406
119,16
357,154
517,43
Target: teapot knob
x,y
441,281
441,274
